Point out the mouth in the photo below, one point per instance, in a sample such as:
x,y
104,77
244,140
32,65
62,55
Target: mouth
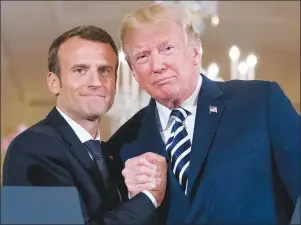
x,y
163,80
94,95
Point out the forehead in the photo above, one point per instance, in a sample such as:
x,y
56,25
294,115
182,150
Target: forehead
x,y
153,34
77,48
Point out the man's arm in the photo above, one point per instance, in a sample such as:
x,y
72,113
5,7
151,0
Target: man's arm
x,y
35,159
284,128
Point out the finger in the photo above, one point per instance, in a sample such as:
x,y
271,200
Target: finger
x,y
139,170
142,170
155,158
132,161
152,186
151,157
144,162
139,160
142,187
137,180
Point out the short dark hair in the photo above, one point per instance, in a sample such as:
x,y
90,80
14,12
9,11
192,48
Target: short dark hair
x,y
91,33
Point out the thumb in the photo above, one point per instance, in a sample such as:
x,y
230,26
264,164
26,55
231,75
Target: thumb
x,y
151,157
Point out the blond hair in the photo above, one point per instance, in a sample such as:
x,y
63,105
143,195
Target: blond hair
x,y
157,12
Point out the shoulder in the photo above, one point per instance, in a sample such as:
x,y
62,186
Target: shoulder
x,y
129,130
40,139
233,86
247,90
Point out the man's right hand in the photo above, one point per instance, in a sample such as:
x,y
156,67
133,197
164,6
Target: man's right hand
x,y
147,172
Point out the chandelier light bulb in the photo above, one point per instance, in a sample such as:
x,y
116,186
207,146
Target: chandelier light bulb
x,y
251,60
243,68
234,53
213,70
215,20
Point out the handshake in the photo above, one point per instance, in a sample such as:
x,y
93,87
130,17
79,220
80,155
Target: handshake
x,y
147,172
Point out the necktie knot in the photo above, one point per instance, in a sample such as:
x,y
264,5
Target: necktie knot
x,y
94,148
180,114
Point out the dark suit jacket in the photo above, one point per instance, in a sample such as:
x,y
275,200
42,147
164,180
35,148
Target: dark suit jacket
x,y
244,162
50,154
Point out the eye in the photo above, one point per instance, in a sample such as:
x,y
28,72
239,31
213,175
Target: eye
x,y
168,48
141,57
79,70
105,71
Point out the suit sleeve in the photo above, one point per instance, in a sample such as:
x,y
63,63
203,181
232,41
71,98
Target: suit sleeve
x,y
36,159
284,129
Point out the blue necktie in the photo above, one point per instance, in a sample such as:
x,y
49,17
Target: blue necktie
x,y
94,148
178,147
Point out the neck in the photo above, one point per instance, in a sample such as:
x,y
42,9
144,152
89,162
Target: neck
x,y
90,125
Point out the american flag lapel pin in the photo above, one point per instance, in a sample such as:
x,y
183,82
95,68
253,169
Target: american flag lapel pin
x,y
212,109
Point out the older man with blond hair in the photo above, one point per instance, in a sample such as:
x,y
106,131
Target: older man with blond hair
x,y
233,148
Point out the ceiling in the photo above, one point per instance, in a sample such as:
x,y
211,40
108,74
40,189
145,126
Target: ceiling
x,y
28,28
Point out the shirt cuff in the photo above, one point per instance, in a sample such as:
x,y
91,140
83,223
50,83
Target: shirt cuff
x,y
150,196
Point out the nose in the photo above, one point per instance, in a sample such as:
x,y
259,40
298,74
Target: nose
x,y
158,64
94,79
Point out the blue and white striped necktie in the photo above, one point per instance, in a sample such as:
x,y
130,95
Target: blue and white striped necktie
x,y
178,147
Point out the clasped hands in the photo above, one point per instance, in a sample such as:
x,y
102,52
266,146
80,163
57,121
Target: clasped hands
x,y
147,172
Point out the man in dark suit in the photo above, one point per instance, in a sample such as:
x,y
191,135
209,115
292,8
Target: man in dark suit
x,y
64,149
233,147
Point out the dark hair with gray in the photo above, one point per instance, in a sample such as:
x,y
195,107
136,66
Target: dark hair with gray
x,y
91,33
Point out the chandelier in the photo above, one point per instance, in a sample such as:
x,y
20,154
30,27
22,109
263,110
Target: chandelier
x,y
199,11
240,69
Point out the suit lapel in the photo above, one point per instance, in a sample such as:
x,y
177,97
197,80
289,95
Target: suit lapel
x,y
206,124
149,138
76,148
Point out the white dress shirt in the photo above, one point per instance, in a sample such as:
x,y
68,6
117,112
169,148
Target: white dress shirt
x,y
190,104
84,136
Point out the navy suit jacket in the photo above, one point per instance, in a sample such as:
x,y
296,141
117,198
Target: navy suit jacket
x,y
50,154
245,158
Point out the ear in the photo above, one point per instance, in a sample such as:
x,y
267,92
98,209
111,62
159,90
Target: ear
x,y
127,59
196,51
54,83
197,54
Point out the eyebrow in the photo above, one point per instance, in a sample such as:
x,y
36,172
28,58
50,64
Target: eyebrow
x,y
163,44
85,66
141,52
80,66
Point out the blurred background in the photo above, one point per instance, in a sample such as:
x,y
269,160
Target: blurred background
x,y
241,40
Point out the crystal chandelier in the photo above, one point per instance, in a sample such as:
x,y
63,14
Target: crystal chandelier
x,y
239,69
199,11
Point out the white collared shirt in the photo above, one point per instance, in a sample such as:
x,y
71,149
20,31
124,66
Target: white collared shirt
x,y
80,132
166,121
84,136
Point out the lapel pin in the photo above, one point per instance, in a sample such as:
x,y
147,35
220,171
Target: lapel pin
x,y
212,109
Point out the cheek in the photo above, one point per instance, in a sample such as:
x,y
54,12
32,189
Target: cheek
x,y
110,86
143,72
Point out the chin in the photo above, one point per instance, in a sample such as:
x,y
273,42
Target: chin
x,y
169,93
95,114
